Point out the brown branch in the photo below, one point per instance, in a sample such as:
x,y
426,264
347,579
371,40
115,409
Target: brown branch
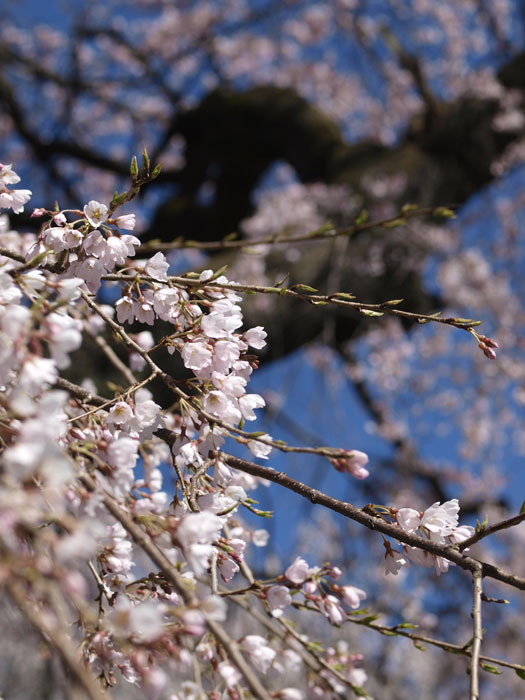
x,y
397,630
497,527
449,552
295,292
272,239
79,392
478,634
115,359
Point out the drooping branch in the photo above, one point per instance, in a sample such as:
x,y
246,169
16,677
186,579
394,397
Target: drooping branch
x,y
144,541
60,641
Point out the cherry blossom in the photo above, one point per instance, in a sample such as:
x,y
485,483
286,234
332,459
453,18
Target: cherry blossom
x,y
126,221
96,213
12,199
278,599
352,462
196,533
157,267
330,606
260,653
352,596
298,571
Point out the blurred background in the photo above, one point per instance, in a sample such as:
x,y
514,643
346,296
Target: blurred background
x,y
280,118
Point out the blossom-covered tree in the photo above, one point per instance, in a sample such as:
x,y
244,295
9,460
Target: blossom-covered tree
x,y
321,152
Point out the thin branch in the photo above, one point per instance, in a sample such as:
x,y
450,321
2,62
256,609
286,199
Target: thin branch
x,y
12,254
295,292
397,630
323,664
274,238
193,486
115,359
486,531
79,392
342,299
478,634
130,390
213,572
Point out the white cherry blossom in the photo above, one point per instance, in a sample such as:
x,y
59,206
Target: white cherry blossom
x,y
96,213
157,267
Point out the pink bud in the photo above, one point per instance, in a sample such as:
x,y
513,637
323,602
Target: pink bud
x,y
489,342
488,351
60,219
38,212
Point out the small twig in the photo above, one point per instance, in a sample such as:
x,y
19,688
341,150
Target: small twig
x,y
337,299
488,599
213,569
115,359
193,486
12,255
322,663
102,587
79,392
399,631
484,532
130,390
183,484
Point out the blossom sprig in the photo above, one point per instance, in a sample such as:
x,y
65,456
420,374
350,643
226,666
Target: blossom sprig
x,y
310,295
438,523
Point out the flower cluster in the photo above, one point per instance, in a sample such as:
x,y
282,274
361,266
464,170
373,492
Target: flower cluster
x,y
12,199
438,523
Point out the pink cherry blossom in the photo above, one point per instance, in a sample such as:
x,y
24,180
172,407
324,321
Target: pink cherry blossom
x,y
329,606
278,598
352,596
157,267
255,337
298,571
125,221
